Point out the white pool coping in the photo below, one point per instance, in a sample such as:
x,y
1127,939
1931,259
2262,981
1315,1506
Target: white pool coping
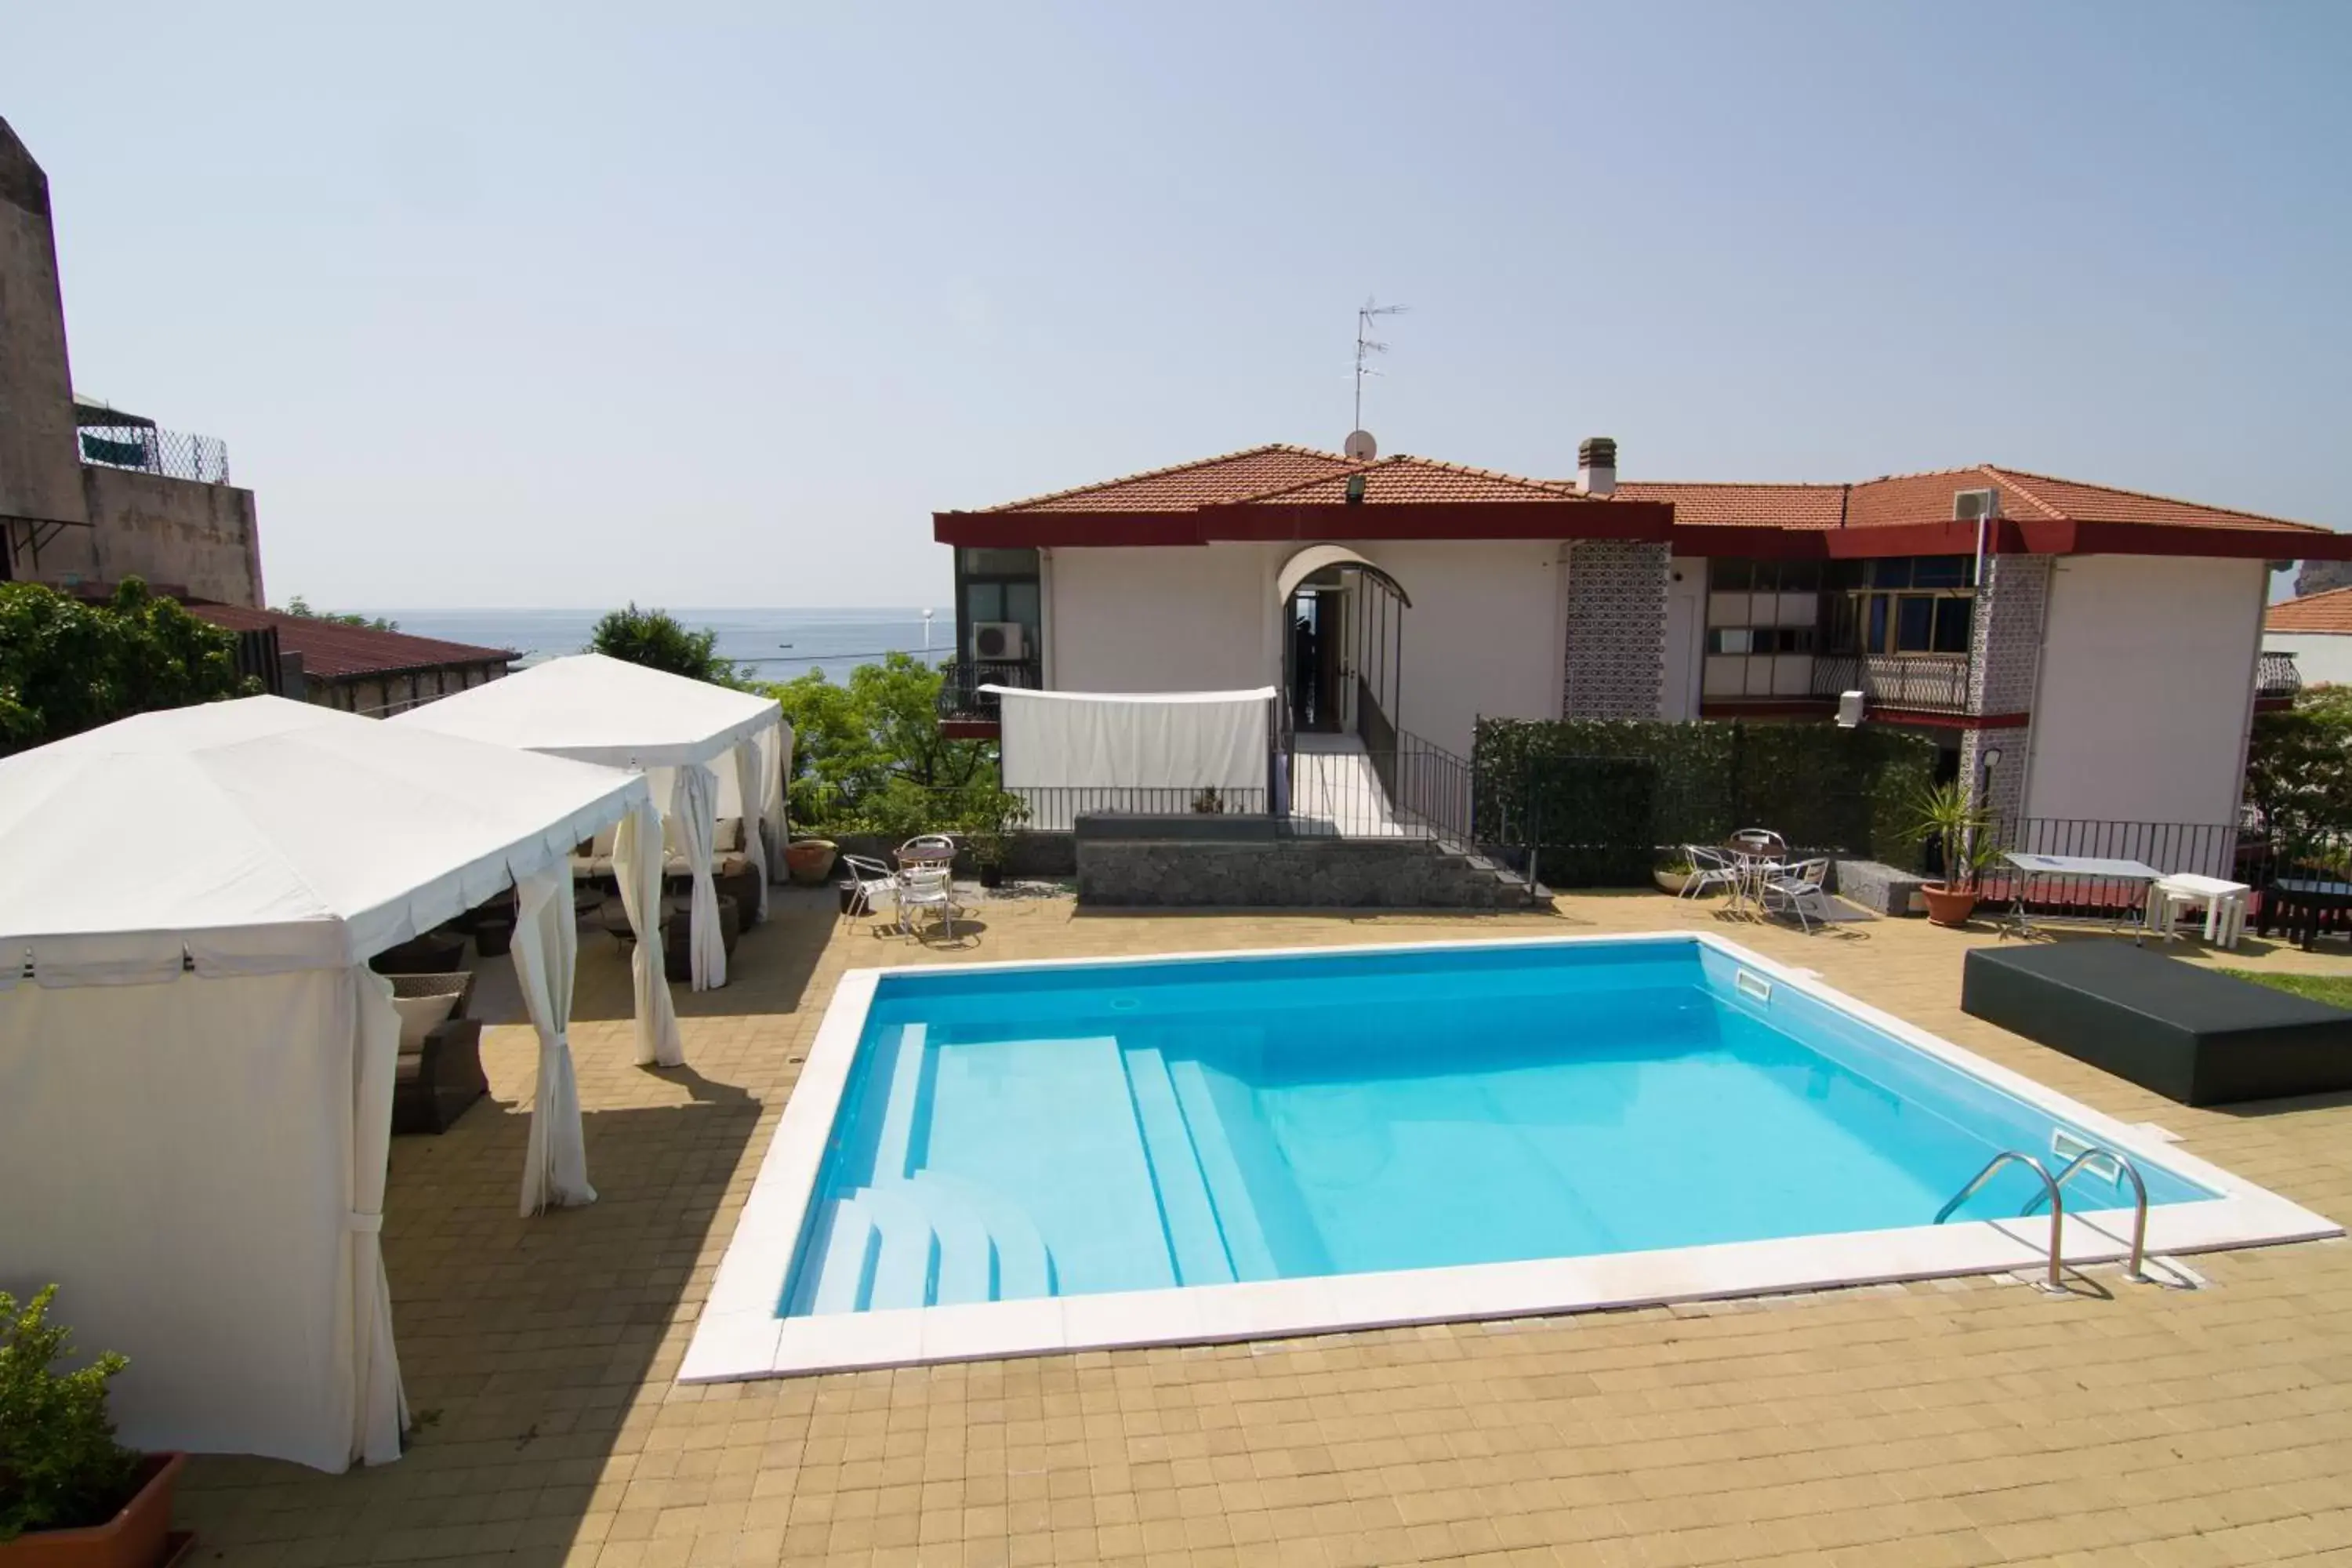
x,y
740,1335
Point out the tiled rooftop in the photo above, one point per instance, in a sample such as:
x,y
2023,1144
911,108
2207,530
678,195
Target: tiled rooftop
x,y
1403,479
2325,612
1898,500
331,651
1962,1422
1232,477
1708,505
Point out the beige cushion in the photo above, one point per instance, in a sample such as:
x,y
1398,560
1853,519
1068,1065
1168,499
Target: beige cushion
x,y
730,835
603,842
419,1016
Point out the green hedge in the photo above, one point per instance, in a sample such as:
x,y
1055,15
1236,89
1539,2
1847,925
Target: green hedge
x,y
1604,799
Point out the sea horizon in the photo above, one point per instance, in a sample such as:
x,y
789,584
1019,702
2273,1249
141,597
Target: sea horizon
x,y
773,644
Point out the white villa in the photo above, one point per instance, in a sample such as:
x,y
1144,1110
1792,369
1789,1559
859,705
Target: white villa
x,y
2087,652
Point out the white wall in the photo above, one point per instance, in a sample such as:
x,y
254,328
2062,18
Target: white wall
x,y
1177,618
1485,636
2322,659
2145,689
1685,636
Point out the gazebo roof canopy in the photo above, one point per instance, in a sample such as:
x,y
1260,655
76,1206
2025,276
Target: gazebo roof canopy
x,y
262,836
600,709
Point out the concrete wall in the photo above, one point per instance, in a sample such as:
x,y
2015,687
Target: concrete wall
x,y
381,696
1686,603
2322,659
38,458
1176,619
1483,637
2145,689
200,537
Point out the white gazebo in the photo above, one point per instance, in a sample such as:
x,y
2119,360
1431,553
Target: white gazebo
x,y
671,727
196,1063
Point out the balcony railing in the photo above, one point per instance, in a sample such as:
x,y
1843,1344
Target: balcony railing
x,y
2276,675
1933,685
960,697
149,449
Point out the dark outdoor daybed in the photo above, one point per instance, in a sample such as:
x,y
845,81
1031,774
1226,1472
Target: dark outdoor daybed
x,y
2187,1033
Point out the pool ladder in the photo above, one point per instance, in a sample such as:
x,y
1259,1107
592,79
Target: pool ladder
x,y
2053,1189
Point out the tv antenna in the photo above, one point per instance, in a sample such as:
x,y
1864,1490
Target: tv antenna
x,y
1367,346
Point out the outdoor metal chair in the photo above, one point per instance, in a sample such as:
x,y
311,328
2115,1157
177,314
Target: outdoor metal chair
x,y
1710,867
869,880
1797,889
926,849
926,888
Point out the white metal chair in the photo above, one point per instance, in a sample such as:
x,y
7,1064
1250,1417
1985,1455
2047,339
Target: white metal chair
x,y
1710,867
871,882
1798,890
1760,841
926,849
924,887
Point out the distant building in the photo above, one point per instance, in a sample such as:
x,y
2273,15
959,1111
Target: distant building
x,y
356,668
90,494
2315,630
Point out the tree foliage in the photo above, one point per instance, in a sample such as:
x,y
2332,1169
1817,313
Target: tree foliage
x,y
298,605
656,640
60,1467
868,756
2299,767
67,667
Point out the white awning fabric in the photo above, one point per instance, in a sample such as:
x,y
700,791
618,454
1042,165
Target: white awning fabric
x,y
1150,740
196,1065
595,708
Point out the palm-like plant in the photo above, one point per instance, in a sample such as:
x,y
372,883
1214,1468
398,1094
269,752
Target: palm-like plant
x,y
1945,814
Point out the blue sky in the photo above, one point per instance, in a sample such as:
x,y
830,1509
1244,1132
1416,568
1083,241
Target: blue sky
x,y
508,305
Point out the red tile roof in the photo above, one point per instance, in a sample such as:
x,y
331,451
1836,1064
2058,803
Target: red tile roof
x,y
1896,501
1211,481
1400,478
1706,505
333,651
2326,612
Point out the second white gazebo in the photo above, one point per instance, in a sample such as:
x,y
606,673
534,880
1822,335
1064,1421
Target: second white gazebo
x,y
676,729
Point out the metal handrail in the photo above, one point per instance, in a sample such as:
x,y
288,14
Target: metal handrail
x,y
2057,1202
2137,1273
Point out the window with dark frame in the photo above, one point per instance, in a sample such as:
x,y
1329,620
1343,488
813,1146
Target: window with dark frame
x,y
1911,606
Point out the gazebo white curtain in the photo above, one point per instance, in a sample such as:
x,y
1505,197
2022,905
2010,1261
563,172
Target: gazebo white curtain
x,y
638,868
600,709
694,806
546,950
196,1064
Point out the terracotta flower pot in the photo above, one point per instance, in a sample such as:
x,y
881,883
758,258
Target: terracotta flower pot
x,y
136,1537
809,859
1946,906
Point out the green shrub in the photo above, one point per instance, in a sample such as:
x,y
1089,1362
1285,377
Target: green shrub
x,y
656,640
60,1467
67,667
1601,798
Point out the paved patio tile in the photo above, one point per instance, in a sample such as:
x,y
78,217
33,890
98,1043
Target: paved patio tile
x,y
1950,1422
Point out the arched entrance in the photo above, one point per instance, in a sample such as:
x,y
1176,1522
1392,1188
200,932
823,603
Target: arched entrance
x,y
1342,644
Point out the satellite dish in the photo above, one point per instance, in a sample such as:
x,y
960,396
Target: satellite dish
x,y
1361,446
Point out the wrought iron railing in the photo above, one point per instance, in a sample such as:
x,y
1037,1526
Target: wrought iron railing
x,y
1397,785
1055,808
149,449
2276,675
1935,684
960,697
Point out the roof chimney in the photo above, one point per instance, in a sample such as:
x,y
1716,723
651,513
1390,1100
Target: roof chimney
x,y
1596,466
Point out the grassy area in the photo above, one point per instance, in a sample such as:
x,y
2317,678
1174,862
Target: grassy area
x,y
2336,990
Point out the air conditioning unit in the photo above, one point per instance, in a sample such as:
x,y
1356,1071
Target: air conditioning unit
x,y
1975,506
1850,710
998,639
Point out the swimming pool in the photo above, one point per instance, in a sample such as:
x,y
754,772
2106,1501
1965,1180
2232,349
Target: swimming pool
x,y
1004,1158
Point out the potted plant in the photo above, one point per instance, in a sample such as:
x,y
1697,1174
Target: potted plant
x,y
1675,874
810,859
1946,815
988,834
1210,802
71,1496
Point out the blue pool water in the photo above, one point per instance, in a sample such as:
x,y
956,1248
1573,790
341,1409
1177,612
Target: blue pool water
x,y
1015,1133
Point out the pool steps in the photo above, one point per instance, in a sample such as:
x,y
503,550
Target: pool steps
x,y
1196,1245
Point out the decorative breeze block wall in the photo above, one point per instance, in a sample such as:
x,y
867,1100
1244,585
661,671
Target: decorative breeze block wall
x,y
1616,656
2006,635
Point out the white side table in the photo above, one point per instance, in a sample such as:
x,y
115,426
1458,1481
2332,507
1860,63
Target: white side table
x,y
2224,904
